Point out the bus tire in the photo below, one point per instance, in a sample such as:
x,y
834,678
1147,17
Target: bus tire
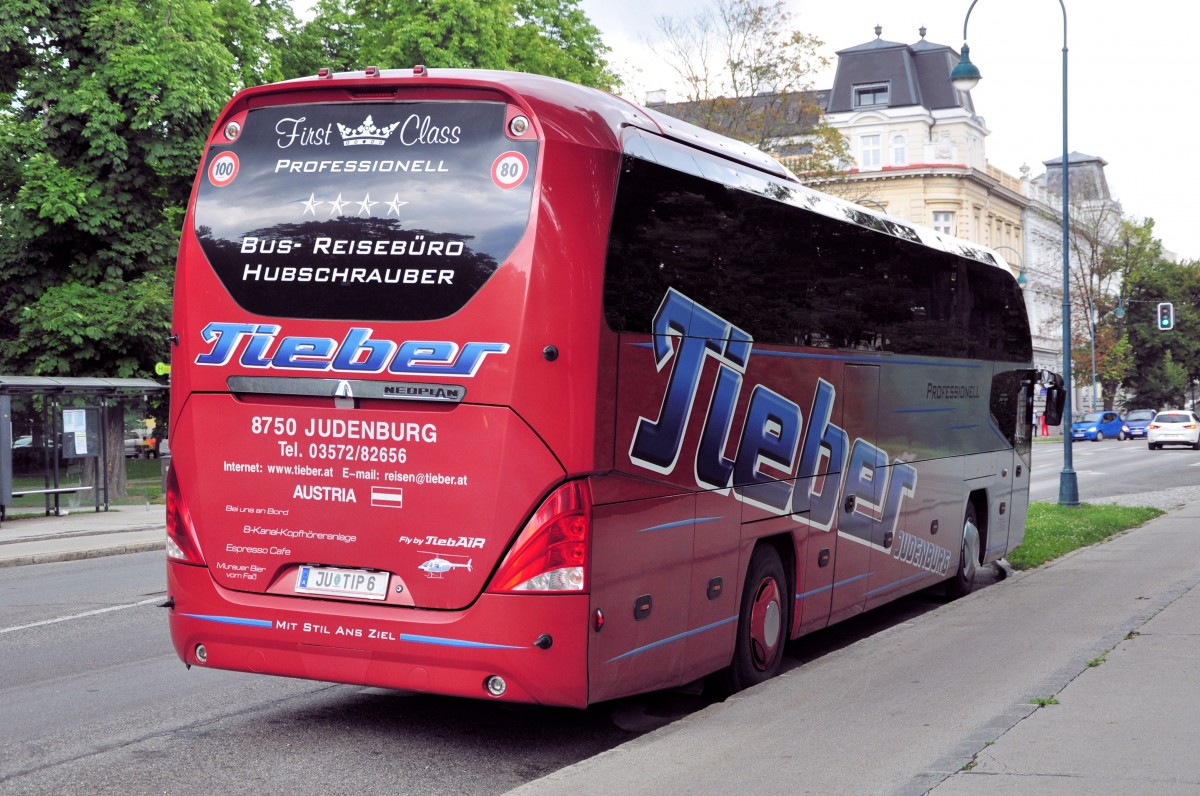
x,y
762,622
963,581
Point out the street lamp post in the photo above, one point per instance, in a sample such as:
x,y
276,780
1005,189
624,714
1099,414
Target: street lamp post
x,y
965,76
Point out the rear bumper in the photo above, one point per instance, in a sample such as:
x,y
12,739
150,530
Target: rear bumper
x,y
1172,439
441,652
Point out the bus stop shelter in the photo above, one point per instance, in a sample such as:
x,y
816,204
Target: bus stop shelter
x,y
74,425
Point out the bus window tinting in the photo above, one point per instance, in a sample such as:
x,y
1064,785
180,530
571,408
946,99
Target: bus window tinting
x,y
364,211
794,277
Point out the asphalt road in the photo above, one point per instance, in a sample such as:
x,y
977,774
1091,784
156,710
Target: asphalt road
x,y
1113,469
95,701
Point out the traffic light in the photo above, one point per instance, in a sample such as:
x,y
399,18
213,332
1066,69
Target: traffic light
x,y
1166,316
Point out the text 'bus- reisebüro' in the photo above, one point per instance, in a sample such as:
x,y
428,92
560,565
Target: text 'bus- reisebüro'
x,y
491,385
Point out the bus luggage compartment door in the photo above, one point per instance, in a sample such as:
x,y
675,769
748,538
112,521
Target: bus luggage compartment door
x,y
641,564
858,549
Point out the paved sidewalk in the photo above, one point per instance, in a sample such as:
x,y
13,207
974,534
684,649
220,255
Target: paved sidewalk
x,y
1080,677
83,533
1128,724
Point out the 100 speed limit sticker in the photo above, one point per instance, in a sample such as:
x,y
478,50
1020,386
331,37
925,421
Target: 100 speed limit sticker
x,y
510,169
223,169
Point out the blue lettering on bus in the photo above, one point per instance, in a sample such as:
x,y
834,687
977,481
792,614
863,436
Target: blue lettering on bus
x,y
860,517
823,439
688,334
260,346
358,353
771,435
781,464
443,358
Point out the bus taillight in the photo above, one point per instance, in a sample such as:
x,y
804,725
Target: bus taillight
x,y
551,552
181,534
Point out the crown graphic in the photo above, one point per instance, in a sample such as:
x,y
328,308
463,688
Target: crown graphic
x,y
366,133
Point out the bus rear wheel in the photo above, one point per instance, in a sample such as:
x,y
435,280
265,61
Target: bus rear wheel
x,y
968,561
762,622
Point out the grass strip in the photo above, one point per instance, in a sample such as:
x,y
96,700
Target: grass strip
x,y
1053,530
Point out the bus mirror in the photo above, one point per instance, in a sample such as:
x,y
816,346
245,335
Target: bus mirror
x,y
1056,396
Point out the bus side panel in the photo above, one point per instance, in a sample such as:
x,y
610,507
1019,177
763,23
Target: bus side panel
x,y
561,323
641,568
182,383
1000,517
814,567
718,566
858,515
1018,509
927,530
1012,413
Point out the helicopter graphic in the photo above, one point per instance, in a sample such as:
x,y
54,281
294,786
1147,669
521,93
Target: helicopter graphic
x,y
437,566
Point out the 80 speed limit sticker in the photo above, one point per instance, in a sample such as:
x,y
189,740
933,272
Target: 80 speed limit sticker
x,y
509,170
223,169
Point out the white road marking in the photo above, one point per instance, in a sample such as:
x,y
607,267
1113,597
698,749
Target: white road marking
x,y
68,618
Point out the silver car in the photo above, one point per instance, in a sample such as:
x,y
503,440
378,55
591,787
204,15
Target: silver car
x,y
1173,427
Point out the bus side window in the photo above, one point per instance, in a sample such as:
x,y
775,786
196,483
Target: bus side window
x,y
799,279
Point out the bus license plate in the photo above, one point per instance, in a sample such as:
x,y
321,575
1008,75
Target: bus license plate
x,y
337,582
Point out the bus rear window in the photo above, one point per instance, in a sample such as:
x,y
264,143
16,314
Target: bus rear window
x,y
364,211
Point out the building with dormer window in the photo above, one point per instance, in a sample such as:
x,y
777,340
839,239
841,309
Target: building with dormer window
x,y
920,155
919,145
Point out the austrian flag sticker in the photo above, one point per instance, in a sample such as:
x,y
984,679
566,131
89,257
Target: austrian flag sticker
x,y
387,496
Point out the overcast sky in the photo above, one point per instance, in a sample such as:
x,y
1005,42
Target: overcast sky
x,y
1129,67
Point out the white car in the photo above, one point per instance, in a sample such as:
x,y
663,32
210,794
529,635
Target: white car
x,y
1173,427
133,445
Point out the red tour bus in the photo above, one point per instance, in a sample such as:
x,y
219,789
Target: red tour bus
x,y
491,385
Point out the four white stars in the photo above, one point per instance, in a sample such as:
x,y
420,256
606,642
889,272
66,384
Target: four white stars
x,y
337,206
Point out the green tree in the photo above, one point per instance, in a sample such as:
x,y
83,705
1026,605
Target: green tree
x,y
111,329
106,107
747,74
330,40
256,33
549,37
1167,362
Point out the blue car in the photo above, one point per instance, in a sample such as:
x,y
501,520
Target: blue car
x,y
1137,420
1099,425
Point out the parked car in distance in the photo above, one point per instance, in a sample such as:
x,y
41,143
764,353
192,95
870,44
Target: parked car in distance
x,y
1137,420
1097,426
1173,427
133,445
